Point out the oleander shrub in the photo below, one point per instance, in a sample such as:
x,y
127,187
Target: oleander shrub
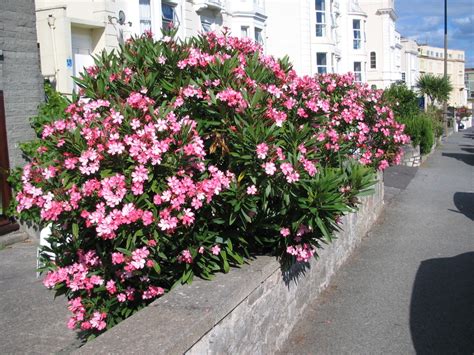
x,y
179,159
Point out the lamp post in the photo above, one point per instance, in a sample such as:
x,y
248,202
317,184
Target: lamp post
x,y
445,103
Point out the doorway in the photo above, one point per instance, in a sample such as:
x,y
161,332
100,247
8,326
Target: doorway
x,y
6,223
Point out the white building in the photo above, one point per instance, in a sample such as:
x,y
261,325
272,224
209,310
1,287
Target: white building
x,y
383,43
410,63
432,62
69,32
325,36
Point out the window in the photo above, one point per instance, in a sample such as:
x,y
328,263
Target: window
x,y
373,60
258,35
145,15
320,18
357,34
358,71
206,24
321,63
403,77
244,32
168,14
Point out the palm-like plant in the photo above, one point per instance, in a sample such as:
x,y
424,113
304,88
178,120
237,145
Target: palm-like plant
x,y
437,88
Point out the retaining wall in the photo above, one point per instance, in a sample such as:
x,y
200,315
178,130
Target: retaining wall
x,y
411,156
251,309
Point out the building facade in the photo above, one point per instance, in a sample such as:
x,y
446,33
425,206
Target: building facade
x,y
469,84
410,64
383,43
432,62
327,36
70,32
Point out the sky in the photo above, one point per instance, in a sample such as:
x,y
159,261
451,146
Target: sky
x,y
423,20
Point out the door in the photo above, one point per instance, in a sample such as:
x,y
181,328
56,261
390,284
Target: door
x,y
6,224
81,39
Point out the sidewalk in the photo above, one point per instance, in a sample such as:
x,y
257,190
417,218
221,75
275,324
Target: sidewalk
x,y
410,286
31,321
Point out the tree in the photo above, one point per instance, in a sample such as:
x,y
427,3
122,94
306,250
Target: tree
x,y
437,88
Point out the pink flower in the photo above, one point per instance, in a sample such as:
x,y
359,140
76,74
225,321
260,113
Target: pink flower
x,y
185,257
252,190
110,286
216,249
262,150
270,168
117,258
121,297
285,232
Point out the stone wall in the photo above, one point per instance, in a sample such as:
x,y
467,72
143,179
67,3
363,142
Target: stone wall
x,y
250,310
412,155
20,77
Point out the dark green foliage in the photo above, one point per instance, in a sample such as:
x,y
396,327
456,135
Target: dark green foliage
x,y
402,100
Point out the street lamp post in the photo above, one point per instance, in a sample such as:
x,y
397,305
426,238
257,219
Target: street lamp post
x,y
445,103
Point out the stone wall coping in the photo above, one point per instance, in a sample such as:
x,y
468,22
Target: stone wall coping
x,y
175,322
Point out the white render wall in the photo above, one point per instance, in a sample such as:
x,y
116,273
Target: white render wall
x,y
410,63
384,40
291,30
288,28
83,21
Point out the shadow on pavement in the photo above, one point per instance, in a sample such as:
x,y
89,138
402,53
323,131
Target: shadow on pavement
x,y
466,158
442,306
467,149
464,202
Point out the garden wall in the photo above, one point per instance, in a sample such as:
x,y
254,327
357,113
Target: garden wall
x,y
251,309
411,156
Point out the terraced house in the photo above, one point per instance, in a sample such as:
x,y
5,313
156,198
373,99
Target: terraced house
x,y
70,31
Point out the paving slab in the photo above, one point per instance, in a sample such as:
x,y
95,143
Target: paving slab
x,y
31,320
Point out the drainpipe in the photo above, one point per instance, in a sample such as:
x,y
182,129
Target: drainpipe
x,y
52,27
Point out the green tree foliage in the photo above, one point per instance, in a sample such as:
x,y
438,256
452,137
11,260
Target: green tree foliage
x,y
403,101
437,88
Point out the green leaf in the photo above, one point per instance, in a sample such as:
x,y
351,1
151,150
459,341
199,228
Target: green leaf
x,y
75,230
226,263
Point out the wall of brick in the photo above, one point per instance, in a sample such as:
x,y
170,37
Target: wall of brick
x,y
20,76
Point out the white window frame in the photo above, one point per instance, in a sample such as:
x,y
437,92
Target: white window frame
x,y
321,68
258,39
373,60
144,11
244,31
358,73
205,24
320,29
165,21
357,34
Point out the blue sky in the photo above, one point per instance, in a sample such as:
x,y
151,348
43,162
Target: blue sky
x,y
423,20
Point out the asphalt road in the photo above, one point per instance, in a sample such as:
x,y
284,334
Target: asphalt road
x,y
409,288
